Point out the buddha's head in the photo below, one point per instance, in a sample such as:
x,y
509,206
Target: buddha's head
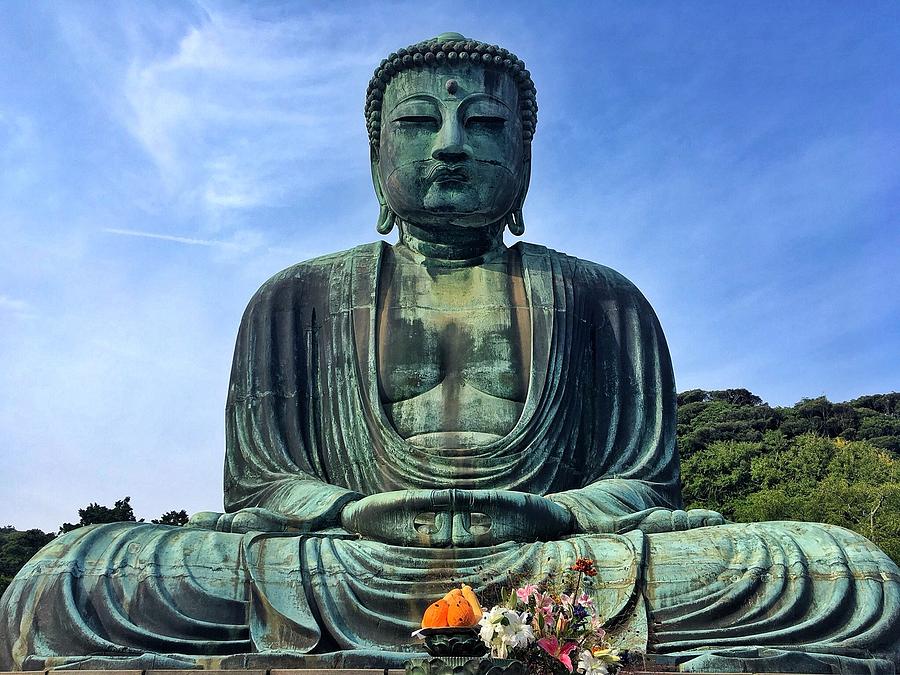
x,y
450,124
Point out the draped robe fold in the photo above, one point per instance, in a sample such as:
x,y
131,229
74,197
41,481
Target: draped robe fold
x,y
306,434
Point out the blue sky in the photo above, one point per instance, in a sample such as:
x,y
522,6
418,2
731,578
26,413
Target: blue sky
x,y
158,161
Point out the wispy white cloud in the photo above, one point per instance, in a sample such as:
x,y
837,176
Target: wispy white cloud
x,y
243,108
239,246
171,237
15,307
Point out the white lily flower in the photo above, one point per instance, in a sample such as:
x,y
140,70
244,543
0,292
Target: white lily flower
x,y
517,631
591,665
503,629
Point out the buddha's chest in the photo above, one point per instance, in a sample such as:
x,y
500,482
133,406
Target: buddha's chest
x,y
453,348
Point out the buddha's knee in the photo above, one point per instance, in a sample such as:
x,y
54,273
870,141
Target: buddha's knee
x,y
111,587
839,545
68,552
793,547
123,555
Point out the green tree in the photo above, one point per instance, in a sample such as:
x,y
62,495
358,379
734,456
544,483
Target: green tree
x,y
729,415
16,548
715,476
815,461
172,518
94,514
705,417
812,478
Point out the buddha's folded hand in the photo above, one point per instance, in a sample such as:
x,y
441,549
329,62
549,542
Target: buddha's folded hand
x,y
521,516
250,520
437,518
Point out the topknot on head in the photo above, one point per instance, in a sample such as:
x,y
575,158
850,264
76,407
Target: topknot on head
x,y
451,48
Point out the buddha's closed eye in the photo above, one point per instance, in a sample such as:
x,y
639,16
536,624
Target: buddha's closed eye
x,y
485,122
417,122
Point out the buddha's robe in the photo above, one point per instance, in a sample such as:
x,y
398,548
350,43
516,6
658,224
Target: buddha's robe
x,y
306,434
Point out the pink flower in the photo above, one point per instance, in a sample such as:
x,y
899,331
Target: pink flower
x,y
566,600
526,592
543,604
562,652
585,600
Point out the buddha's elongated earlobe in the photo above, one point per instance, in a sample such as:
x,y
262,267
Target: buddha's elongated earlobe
x,y
514,220
515,223
386,217
386,220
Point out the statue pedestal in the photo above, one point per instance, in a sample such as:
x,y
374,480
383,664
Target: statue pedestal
x,y
464,665
336,671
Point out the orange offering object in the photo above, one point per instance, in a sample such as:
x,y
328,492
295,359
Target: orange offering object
x,y
469,595
436,615
458,609
456,592
460,613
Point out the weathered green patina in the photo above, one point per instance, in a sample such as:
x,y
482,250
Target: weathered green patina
x,y
402,418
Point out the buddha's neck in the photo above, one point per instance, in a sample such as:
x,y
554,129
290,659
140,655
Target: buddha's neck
x,y
453,246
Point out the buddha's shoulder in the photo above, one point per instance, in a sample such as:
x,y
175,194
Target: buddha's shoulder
x,y
318,271
586,275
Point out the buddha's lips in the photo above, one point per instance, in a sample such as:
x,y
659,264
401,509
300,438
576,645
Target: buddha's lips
x,y
443,173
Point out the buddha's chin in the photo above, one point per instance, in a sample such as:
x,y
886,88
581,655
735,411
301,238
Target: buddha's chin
x,y
444,222
453,199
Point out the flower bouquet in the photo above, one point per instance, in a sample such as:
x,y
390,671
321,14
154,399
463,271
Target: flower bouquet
x,y
552,627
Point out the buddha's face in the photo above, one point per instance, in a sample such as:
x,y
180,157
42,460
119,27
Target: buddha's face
x,y
451,149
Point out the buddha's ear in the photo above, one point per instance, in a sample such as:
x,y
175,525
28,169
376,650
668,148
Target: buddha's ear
x,y
386,217
514,219
526,176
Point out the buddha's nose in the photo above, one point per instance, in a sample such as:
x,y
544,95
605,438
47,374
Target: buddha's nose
x,y
450,145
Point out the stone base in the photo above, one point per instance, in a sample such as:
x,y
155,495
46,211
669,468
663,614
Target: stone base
x,y
653,665
464,665
310,671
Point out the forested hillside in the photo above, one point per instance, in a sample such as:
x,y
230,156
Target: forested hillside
x,y
816,461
